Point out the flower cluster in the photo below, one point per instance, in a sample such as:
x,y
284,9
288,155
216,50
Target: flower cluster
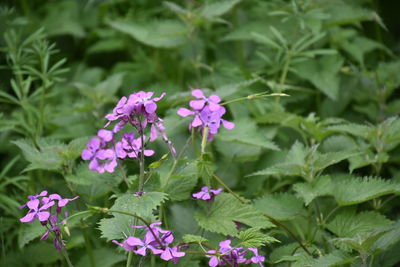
x,y
40,207
207,193
207,113
139,110
233,255
155,240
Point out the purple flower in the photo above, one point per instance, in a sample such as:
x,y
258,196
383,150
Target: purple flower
x,y
212,101
227,253
61,201
101,158
131,147
206,193
257,258
207,113
172,254
214,261
35,211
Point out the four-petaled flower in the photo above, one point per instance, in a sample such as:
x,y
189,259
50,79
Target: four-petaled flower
x,y
207,193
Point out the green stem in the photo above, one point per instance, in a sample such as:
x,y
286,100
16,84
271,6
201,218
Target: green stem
x,y
204,140
65,254
89,249
130,257
283,76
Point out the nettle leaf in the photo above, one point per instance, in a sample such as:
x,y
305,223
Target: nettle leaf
x,y
322,73
30,231
205,168
389,239
75,147
335,258
282,207
46,157
247,133
218,8
194,239
318,187
159,33
225,211
253,238
349,224
118,227
181,183
93,184
305,162
356,190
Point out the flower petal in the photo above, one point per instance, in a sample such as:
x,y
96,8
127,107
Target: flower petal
x,y
227,124
197,93
197,104
30,217
184,112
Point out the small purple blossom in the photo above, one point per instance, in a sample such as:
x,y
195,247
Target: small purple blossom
x,y
131,147
156,240
207,113
232,255
206,193
40,207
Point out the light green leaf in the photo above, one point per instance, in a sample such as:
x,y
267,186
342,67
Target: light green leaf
x,y
194,239
282,207
247,133
217,8
349,224
322,73
30,231
47,157
253,238
160,33
225,211
118,227
318,187
105,257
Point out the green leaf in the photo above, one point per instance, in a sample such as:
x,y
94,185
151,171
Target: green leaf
x,y
91,183
118,227
205,168
194,239
357,190
159,34
47,157
322,73
30,231
335,258
318,187
217,8
282,207
246,132
179,188
225,211
253,238
349,224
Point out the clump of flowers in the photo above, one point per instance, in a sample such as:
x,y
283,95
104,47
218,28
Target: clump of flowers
x,y
156,241
41,208
138,110
207,113
207,193
233,255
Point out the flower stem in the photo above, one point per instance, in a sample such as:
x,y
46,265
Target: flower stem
x,y
65,254
219,180
130,257
204,140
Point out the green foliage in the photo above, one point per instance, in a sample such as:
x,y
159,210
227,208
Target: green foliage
x,y
225,211
280,206
119,225
252,238
194,238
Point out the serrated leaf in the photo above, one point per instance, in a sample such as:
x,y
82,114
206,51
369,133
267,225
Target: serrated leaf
x,y
217,8
356,190
47,157
322,73
349,224
335,258
318,187
253,238
118,227
194,239
30,231
282,207
225,211
179,188
247,133
160,33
